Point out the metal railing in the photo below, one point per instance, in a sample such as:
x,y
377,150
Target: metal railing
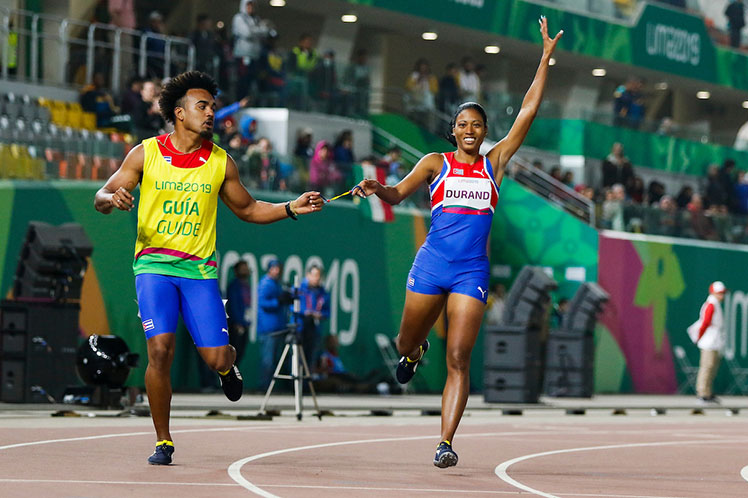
x,y
56,50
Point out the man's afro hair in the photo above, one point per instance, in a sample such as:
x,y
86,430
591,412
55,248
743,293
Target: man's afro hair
x,y
175,90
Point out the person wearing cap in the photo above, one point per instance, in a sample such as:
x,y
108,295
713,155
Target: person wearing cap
x,y
272,311
708,333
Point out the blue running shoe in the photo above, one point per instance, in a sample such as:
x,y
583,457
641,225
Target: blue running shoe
x,y
232,383
163,453
406,368
445,455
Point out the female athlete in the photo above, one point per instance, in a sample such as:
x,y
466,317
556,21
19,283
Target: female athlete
x,y
452,265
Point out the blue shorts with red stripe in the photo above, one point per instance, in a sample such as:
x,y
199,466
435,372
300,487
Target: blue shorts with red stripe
x,y
161,298
469,278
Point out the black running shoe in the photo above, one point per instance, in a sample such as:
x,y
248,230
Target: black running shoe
x,y
406,368
163,453
232,384
445,455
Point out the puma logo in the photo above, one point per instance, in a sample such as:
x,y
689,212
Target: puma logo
x,y
482,292
225,330
202,160
481,172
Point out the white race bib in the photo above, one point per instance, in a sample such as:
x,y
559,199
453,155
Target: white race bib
x,y
471,193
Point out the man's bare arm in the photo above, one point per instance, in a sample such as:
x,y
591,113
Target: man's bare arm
x,y
243,205
116,191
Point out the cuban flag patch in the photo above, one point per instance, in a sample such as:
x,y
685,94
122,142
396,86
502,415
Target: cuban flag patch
x,y
458,171
148,325
411,282
167,159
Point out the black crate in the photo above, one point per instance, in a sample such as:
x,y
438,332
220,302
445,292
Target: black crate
x,y
511,386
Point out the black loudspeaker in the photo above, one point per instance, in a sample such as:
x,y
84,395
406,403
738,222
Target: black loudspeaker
x,y
584,307
568,383
38,344
52,262
511,386
512,350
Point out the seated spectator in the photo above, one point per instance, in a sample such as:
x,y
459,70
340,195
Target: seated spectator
x,y
131,99
612,211
636,191
538,164
556,174
727,178
303,148
701,224
741,193
323,173
393,158
668,222
568,179
94,98
684,196
655,191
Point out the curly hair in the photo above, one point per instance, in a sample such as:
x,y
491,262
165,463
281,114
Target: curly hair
x,y
172,95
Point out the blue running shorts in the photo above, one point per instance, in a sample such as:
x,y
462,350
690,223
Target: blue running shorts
x,y
161,298
453,279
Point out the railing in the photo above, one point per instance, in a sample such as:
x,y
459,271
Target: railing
x,y
551,189
605,9
75,50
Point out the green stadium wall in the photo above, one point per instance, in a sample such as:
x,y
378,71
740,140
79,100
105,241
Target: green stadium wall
x,y
655,285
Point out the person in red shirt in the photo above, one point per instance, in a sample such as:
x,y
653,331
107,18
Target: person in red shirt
x,y
708,333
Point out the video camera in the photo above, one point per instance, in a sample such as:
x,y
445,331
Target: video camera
x,y
289,294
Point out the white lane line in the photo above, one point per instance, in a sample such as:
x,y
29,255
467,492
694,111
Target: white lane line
x,y
235,469
501,469
128,483
127,434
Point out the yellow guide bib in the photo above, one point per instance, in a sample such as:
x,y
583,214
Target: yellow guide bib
x,y
177,215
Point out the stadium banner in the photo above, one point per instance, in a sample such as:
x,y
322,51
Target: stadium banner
x,y
650,150
366,266
661,38
656,290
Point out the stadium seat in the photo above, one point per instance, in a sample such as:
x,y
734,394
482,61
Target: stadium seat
x,y
689,371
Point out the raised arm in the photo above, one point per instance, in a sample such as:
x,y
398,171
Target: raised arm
x,y
247,208
116,191
502,152
425,171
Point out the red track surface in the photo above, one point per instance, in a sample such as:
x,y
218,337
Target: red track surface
x,y
640,456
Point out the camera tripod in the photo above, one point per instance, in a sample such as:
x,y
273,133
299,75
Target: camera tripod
x,y
299,366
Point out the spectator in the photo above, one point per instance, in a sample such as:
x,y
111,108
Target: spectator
x,y
239,308
323,175
735,14
122,13
272,74
629,104
567,178
668,221
558,312
469,81
272,311
155,45
556,174
357,81
249,33
264,164
147,119
612,212
701,224
494,314
302,61
538,164
393,158
655,191
343,155
325,83
207,49
716,195
131,99
315,307
684,196
617,168
94,98
635,192
727,179
303,148
449,90
741,193
422,87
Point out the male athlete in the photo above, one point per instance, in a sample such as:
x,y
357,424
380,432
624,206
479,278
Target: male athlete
x,y
181,176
